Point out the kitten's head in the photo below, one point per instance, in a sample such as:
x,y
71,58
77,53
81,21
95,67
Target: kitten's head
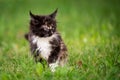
x,y
43,25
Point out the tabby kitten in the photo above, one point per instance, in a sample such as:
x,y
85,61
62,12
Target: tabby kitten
x,y
45,42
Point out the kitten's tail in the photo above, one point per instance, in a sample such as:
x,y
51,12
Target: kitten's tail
x,y
26,36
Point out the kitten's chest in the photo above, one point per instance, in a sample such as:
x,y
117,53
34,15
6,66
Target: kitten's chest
x,y
43,46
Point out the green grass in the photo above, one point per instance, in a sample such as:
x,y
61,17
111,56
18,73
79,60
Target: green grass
x,y
90,29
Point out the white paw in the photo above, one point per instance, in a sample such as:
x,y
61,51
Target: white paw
x,y
53,66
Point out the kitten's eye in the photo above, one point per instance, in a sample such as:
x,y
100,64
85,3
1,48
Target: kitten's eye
x,y
50,23
36,22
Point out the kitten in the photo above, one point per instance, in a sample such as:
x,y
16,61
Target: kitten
x,y
45,42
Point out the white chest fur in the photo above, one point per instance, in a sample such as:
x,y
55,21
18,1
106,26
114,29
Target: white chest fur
x,y
43,45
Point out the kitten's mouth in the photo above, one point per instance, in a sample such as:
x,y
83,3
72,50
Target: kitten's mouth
x,y
44,33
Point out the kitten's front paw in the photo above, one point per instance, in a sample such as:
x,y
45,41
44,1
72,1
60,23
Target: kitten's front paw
x,y
53,66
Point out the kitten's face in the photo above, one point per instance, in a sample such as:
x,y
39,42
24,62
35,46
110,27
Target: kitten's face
x,y
43,26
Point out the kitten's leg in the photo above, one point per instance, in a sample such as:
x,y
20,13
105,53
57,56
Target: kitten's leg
x,y
36,54
53,62
62,60
53,66
39,59
58,54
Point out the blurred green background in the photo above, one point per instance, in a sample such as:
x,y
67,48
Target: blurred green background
x,y
90,29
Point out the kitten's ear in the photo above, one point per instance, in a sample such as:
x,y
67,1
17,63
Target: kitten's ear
x,y
31,15
53,15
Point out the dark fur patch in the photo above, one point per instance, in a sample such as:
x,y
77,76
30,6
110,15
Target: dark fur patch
x,y
55,50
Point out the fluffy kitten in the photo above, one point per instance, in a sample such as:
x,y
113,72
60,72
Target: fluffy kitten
x,y
45,42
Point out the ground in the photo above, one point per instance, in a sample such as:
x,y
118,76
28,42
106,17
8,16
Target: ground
x,y
90,29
